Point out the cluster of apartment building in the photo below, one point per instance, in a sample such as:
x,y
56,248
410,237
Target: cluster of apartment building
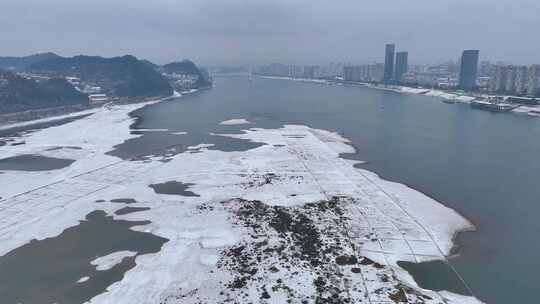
x,y
181,81
364,73
300,71
394,70
516,80
466,74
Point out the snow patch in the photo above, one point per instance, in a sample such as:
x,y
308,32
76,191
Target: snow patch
x,y
209,259
238,121
83,279
109,261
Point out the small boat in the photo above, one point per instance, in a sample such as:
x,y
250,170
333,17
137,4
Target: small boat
x,y
493,106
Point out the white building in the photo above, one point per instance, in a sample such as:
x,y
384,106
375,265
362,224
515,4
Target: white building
x,y
98,98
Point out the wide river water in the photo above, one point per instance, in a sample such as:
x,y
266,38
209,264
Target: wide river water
x,y
484,165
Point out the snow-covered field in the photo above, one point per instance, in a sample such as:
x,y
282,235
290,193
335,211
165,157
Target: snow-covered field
x,y
289,220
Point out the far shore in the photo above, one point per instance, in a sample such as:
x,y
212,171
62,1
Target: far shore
x,y
448,96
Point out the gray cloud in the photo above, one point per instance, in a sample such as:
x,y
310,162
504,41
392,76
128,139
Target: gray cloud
x,y
258,31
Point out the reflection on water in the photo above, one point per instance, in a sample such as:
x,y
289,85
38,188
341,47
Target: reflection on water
x,y
47,271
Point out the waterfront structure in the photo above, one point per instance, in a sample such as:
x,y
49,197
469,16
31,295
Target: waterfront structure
x,y
469,69
402,66
389,63
98,98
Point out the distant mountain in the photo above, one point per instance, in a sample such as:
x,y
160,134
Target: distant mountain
x,y
21,63
182,67
150,64
188,67
20,94
124,76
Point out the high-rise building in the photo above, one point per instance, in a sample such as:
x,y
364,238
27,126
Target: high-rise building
x,y
389,63
376,72
363,73
469,69
296,71
349,73
312,71
533,86
522,77
510,79
402,66
485,69
498,79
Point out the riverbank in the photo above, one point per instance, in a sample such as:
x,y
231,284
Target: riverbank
x,y
38,116
450,97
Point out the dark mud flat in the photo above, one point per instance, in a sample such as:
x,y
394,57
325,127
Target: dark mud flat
x,y
436,275
173,188
47,271
32,162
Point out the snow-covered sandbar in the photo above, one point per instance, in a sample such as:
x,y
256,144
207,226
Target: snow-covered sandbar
x,y
289,220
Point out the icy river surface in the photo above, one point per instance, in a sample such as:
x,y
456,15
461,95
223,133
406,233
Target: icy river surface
x,y
267,192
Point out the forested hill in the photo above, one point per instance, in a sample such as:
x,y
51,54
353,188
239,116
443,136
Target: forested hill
x,y
124,76
21,63
21,94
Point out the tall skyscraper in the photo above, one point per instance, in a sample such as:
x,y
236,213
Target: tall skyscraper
x,y
469,69
402,66
389,63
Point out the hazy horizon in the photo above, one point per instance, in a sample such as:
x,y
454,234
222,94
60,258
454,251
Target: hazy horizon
x,y
241,32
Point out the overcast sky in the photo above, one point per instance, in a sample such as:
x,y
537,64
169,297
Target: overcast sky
x,y
262,31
